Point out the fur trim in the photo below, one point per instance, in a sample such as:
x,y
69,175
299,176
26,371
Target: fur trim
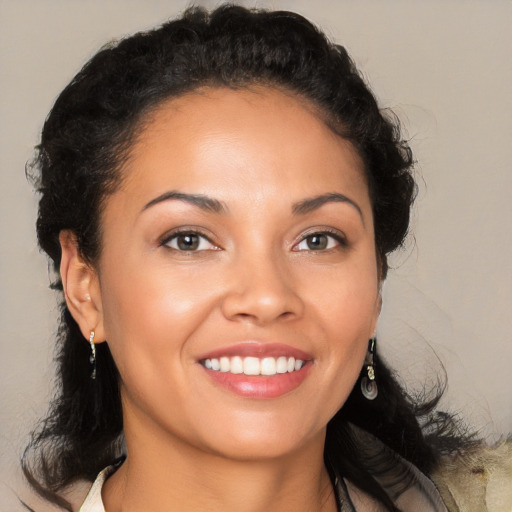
x,y
477,480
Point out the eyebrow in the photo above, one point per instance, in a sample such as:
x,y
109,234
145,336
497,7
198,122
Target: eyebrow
x,y
314,203
210,204
206,203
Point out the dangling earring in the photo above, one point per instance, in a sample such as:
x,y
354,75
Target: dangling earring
x,y
92,357
368,384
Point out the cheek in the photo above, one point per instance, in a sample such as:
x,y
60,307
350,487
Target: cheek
x,y
346,297
148,322
345,314
150,314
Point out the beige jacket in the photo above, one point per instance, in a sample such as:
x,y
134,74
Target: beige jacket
x,y
480,480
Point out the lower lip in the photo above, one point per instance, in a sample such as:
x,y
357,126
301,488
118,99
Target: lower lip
x,y
260,386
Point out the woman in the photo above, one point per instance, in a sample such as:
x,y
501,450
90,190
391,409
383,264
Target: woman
x,y
219,197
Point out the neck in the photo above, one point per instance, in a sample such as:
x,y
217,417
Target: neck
x,y
164,474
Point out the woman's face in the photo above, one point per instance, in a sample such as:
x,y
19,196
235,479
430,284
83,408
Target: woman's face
x,y
241,238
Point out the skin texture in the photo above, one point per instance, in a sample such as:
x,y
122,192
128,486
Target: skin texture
x,y
192,444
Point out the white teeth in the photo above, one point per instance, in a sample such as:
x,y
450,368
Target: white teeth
x,y
282,364
224,364
253,365
268,366
237,365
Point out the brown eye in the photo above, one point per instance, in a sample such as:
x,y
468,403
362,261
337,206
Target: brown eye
x,y
317,242
188,242
320,242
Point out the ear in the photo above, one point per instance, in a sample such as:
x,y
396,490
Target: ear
x,y
81,288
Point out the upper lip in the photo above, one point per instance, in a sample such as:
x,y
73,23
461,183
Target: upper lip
x,y
256,349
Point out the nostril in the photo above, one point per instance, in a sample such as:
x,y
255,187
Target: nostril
x,y
261,301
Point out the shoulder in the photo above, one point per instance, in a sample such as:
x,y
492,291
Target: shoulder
x,y
480,478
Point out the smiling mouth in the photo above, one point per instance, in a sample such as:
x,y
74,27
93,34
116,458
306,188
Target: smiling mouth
x,y
266,366
257,370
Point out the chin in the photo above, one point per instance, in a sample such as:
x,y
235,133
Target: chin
x,y
264,440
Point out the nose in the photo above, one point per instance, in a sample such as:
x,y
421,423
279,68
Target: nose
x,y
262,290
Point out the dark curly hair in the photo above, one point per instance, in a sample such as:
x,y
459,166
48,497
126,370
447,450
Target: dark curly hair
x,y
88,135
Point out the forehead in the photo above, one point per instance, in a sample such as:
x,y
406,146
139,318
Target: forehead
x,y
221,141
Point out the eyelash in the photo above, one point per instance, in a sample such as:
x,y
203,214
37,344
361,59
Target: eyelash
x,y
166,241
338,237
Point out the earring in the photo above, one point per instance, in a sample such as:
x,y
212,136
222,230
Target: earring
x,y
92,357
368,384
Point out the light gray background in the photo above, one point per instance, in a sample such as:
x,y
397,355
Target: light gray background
x,y
443,66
